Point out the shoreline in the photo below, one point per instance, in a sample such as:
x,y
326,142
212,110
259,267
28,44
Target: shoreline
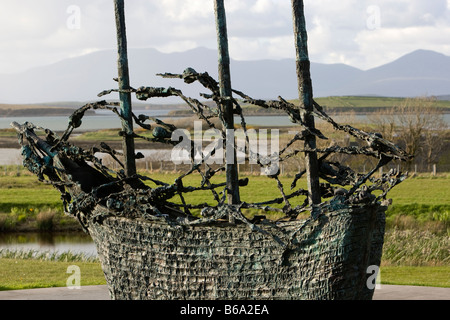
x,y
58,229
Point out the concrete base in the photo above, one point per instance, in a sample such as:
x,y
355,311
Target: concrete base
x,y
385,292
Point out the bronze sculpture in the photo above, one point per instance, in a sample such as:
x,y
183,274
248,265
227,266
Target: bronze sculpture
x,y
153,248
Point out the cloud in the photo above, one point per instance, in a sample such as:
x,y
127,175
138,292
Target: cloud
x,y
184,11
359,32
366,34
376,45
405,26
280,47
404,13
38,32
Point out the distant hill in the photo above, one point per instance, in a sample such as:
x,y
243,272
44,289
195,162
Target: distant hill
x,y
26,110
421,72
418,73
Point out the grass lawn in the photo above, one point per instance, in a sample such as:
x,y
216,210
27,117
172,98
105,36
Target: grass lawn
x,y
29,198
416,197
421,199
422,190
30,273
26,190
367,102
430,276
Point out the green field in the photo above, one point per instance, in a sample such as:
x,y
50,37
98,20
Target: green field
x,y
18,274
360,104
368,102
31,273
422,199
416,249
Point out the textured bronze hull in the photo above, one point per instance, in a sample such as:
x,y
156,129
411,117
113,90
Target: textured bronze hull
x,y
323,258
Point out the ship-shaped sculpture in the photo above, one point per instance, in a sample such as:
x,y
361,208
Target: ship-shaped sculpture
x,y
152,247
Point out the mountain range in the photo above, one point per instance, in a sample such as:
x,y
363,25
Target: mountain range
x,y
421,72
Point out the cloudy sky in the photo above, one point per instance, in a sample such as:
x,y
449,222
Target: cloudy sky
x,y
361,33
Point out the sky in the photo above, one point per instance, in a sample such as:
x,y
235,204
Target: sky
x,y
364,34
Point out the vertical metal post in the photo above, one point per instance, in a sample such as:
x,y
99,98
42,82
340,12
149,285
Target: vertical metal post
x,y
124,84
227,105
306,98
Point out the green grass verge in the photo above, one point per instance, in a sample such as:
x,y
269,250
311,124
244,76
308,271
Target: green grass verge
x,y
423,202
416,276
419,190
417,257
18,274
29,198
347,103
31,273
368,102
423,191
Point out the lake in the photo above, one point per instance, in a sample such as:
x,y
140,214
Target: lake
x,y
75,242
104,120
110,121
82,243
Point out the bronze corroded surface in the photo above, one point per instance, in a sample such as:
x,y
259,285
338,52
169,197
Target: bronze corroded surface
x,y
326,258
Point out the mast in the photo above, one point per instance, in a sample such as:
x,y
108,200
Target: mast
x,y
306,99
226,102
124,93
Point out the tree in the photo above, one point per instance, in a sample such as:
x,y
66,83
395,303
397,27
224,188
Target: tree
x,y
417,125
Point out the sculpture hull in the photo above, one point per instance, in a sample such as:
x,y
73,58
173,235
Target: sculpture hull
x,y
323,258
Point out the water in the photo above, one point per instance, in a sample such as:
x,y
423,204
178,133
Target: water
x,y
110,121
82,243
103,119
49,242
10,156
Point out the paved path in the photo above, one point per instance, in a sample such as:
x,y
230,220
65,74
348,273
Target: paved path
x,y
61,293
385,292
